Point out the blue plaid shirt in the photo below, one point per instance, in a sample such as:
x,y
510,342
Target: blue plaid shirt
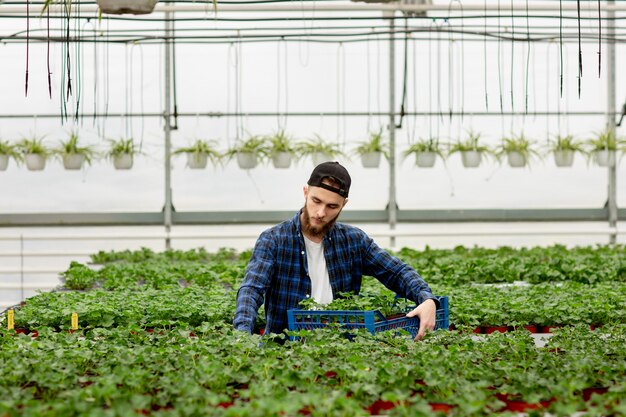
x,y
278,272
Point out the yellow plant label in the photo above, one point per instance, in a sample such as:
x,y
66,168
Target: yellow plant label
x,y
74,321
10,319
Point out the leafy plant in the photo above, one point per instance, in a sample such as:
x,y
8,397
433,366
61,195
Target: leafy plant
x,y
565,143
10,149
71,147
425,145
122,146
319,145
254,144
202,147
605,140
33,146
375,143
517,143
280,142
472,143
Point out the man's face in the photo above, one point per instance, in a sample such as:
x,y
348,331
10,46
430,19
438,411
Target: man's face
x,y
321,209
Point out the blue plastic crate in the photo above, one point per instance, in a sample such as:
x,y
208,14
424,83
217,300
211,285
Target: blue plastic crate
x,y
372,320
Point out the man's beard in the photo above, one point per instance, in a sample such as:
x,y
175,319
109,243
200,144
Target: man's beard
x,y
316,231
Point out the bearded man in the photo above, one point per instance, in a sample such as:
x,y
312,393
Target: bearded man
x,y
313,255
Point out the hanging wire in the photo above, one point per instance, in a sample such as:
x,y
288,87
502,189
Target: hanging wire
x,y
229,65
369,86
238,88
308,31
561,43
439,72
48,53
378,82
128,92
27,46
485,55
405,73
77,64
500,63
451,46
528,47
174,75
599,38
512,56
430,81
580,51
95,76
415,91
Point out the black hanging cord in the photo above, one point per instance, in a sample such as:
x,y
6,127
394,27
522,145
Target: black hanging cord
x,y
599,39
580,51
500,62
485,55
561,44
27,45
48,56
528,45
67,50
405,75
174,89
512,55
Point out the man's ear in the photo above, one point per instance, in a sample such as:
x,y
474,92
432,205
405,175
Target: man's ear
x,y
345,201
305,189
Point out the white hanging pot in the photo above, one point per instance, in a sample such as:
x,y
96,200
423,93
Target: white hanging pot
x,y
34,161
73,161
604,158
319,157
564,158
371,159
126,6
4,162
123,161
471,159
425,159
281,160
246,160
516,159
197,160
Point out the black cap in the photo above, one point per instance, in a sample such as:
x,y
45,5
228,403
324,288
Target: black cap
x,y
334,171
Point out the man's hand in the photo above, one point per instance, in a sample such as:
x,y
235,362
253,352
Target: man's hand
x,y
427,313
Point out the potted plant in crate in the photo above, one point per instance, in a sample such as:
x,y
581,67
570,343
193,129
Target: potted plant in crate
x,y
72,155
319,150
518,150
8,151
281,149
603,147
425,151
35,153
249,152
471,150
122,152
199,153
372,150
564,148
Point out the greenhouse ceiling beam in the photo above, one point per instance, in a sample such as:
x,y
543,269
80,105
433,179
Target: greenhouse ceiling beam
x,y
445,113
271,217
299,7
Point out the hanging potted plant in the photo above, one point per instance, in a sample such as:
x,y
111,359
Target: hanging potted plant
x,y
126,6
72,155
319,150
372,150
564,148
122,152
249,152
281,149
425,151
199,153
603,148
518,150
35,153
8,151
471,150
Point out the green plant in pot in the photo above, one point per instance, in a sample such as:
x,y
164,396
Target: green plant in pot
x,y
73,155
564,148
35,153
319,150
372,150
281,149
471,150
200,152
249,152
122,152
8,151
425,151
518,149
604,146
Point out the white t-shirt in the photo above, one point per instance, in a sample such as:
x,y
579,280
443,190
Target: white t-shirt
x,y
321,291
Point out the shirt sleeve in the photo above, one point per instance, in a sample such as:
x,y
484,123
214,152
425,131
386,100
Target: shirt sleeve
x,y
395,274
255,283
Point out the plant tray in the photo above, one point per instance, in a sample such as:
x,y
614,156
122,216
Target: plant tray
x,y
372,320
